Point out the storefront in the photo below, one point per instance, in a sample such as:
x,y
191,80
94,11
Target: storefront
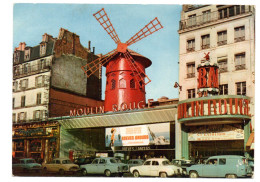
x,y
36,140
216,125
139,133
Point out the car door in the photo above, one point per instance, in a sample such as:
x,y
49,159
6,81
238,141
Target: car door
x,y
51,166
101,166
93,167
154,171
145,169
210,168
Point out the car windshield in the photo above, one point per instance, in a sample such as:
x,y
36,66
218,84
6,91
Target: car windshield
x,y
113,161
166,162
66,162
30,161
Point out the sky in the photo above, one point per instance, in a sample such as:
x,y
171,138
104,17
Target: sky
x,y
31,21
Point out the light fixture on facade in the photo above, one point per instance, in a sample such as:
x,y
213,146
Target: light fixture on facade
x,y
176,85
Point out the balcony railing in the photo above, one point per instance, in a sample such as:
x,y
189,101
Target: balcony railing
x,y
223,70
190,75
240,67
191,49
220,43
239,39
203,19
18,72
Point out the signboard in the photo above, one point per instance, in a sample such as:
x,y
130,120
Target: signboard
x,y
217,132
153,134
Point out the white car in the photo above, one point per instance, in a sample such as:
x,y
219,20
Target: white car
x,y
61,165
156,167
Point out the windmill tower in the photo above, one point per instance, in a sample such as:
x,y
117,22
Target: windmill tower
x,y
125,69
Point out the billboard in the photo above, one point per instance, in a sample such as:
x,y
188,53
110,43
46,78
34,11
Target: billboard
x,y
152,134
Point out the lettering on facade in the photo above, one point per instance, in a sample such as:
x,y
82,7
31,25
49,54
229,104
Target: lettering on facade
x,y
135,148
231,106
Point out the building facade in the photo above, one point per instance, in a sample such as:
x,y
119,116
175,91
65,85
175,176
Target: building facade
x,y
47,82
227,32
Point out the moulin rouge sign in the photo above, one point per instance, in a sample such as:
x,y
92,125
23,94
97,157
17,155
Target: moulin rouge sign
x,y
100,110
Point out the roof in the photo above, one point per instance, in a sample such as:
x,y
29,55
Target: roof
x,y
126,118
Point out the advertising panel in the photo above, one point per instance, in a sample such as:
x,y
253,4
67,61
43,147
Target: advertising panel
x,y
217,132
153,134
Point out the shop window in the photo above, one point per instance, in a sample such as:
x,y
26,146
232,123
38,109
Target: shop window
x,y
192,20
19,146
222,161
206,16
222,38
23,101
191,93
155,163
205,41
132,83
223,89
122,83
35,145
239,34
113,84
191,45
191,70
222,63
147,163
241,88
240,63
39,98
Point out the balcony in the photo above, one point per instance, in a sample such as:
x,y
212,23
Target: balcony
x,y
220,43
30,70
190,75
239,39
240,67
191,49
223,70
212,17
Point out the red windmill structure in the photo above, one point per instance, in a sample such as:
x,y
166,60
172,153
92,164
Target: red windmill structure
x,y
125,69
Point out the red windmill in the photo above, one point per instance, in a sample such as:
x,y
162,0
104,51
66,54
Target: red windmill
x,y
125,69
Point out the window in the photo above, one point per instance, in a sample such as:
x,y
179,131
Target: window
x,y
222,38
57,161
155,163
37,115
122,83
24,84
113,84
27,54
13,102
38,98
192,20
241,88
239,34
205,41
38,81
41,64
223,89
102,161
223,13
14,117
222,161
95,161
240,61
132,83
191,70
42,49
15,86
22,116
147,163
17,57
206,16
222,63
26,68
191,45
191,93
212,161
23,101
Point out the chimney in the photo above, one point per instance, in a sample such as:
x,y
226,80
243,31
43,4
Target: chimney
x,y
93,50
22,46
89,44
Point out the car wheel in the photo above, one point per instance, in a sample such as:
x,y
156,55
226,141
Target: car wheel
x,y
107,173
193,174
136,174
163,175
231,176
84,172
61,171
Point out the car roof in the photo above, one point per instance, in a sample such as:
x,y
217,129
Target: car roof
x,y
227,156
26,159
158,159
61,158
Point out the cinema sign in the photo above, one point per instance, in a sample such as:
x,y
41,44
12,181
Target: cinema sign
x,y
213,106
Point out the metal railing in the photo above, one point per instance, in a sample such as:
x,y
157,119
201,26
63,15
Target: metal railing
x,y
196,21
30,70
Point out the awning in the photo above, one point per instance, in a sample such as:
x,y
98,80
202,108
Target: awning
x,y
135,117
250,144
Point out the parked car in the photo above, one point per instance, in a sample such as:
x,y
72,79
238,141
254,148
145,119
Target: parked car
x,y
251,163
183,164
156,167
61,165
104,165
82,161
135,162
229,166
26,165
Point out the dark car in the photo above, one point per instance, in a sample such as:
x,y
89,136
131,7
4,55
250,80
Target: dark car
x,y
82,161
183,164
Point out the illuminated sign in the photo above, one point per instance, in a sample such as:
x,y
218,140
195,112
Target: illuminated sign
x,y
152,134
232,106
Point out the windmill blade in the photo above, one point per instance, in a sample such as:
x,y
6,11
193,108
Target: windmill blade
x,y
93,66
139,74
104,21
148,29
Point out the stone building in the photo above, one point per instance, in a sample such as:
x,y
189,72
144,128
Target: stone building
x,y
227,32
48,82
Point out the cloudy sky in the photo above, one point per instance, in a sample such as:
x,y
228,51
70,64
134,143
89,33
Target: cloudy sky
x,y
31,21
